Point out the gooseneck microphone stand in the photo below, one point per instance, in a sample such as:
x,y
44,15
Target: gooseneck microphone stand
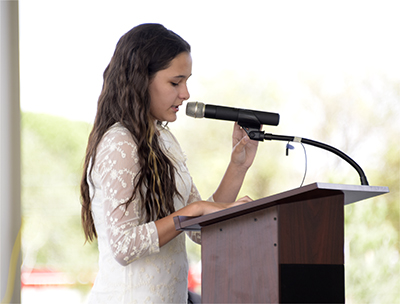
x,y
256,134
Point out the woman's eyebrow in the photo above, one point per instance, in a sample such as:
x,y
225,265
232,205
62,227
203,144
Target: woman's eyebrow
x,y
182,76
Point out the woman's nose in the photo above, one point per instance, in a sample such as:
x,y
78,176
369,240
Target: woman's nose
x,y
184,94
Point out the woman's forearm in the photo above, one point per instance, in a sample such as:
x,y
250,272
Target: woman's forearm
x,y
230,185
166,226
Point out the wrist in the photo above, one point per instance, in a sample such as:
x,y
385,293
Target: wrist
x,y
237,167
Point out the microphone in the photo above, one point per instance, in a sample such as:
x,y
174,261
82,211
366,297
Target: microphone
x,y
244,117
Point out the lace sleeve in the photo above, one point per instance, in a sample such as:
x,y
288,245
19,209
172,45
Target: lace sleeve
x,y
117,165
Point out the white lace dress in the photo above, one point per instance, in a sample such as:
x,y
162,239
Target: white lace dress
x,y
132,266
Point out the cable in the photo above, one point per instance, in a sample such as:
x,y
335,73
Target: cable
x,y
305,165
289,146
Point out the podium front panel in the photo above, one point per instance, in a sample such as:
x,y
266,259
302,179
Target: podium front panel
x,y
240,259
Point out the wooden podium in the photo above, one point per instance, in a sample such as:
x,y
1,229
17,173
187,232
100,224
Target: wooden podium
x,y
285,248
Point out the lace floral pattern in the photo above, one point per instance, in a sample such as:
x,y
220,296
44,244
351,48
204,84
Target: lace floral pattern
x,y
132,266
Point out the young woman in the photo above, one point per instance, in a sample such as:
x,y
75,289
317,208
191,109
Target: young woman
x,y
135,178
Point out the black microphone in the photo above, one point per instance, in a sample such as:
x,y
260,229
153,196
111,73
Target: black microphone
x,y
247,118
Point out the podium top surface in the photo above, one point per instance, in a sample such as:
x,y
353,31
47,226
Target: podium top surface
x,y
352,194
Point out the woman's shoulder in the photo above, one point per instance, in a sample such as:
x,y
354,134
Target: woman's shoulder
x,y
117,132
117,137
117,145
117,128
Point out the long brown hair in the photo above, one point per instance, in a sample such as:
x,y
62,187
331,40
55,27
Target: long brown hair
x,y
139,55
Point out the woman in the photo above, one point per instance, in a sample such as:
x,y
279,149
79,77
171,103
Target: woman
x,y
135,179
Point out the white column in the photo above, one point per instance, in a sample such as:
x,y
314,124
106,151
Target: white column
x,y
10,168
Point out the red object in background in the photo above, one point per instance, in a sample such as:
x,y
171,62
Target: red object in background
x,y
194,278
47,277
43,277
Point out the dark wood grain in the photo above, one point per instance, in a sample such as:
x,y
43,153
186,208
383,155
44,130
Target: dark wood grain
x,y
312,231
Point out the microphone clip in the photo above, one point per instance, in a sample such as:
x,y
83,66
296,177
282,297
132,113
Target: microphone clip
x,y
252,132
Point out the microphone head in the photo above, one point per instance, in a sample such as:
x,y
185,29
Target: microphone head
x,y
195,109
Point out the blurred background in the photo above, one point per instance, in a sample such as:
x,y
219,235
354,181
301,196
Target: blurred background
x,y
331,69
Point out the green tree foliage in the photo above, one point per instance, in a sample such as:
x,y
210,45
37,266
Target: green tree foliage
x,y
372,238
52,155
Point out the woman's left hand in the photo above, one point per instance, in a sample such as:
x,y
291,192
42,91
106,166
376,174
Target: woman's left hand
x,y
244,149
